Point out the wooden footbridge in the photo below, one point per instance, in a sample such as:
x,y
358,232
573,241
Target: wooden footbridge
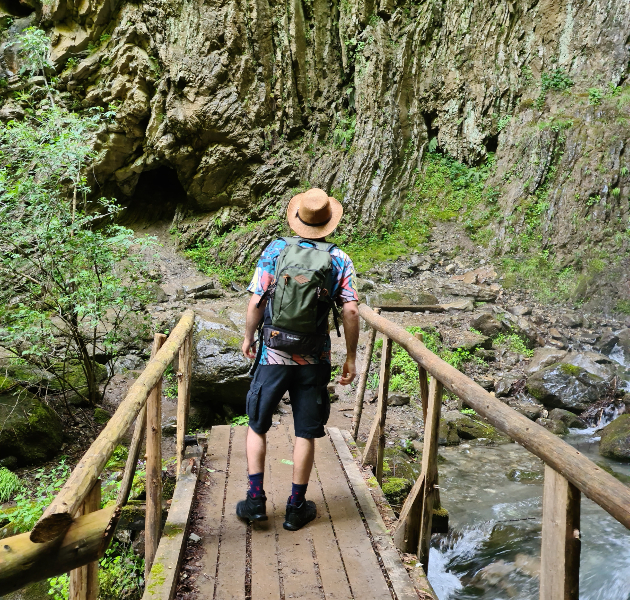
x,y
347,552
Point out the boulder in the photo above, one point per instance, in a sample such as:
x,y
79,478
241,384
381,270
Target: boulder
x,y
487,325
398,400
569,385
364,285
447,433
593,362
503,387
556,427
465,305
527,329
623,346
481,293
606,342
529,409
519,310
615,439
31,431
469,428
543,357
571,420
468,340
220,371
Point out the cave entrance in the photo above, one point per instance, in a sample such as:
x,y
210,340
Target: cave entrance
x,y
156,197
432,130
15,8
492,143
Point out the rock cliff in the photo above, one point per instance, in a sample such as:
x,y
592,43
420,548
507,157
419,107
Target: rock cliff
x,y
245,99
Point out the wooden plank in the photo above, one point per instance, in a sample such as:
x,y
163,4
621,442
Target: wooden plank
x,y
59,514
364,573
402,584
232,549
375,446
265,579
297,568
183,396
83,583
601,487
436,308
560,552
358,403
424,384
162,580
331,569
23,561
153,519
429,469
210,501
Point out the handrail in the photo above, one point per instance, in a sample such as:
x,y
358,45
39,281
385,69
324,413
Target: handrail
x,y
60,513
595,483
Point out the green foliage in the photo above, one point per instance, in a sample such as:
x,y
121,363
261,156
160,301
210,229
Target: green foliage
x,y
623,306
240,420
595,96
10,484
468,411
512,342
30,503
118,457
503,122
557,79
120,576
343,134
170,378
407,447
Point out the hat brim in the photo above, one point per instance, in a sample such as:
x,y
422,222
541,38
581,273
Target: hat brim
x,y
308,231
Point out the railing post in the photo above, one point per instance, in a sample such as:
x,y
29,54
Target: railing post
x,y
560,553
424,383
183,396
358,403
153,518
375,447
84,580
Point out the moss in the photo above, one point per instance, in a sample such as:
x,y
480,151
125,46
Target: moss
x,y
396,489
620,476
6,384
168,488
396,296
101,416
172,530
372,482
615,439
524,476
568,369
440,511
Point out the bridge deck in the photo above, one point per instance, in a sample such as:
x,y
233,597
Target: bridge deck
x,y
345,553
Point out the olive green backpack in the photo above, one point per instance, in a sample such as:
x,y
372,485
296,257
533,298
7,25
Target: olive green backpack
x,y
300,298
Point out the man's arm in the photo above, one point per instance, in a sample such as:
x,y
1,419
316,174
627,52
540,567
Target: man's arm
x,y
254,316
350,316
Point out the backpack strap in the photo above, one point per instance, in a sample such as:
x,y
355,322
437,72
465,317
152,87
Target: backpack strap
x,y
324,246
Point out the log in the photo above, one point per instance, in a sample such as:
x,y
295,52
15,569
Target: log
x,y
358,403
183,397
601,487
153,523
429,470
84,580
23,562
560,551
375,446
59,515
132,458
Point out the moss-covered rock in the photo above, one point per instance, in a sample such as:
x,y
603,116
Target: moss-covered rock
x,y
447,433
524,476
396,490
469,428
101,415
31,431
615,439
556,427
570,419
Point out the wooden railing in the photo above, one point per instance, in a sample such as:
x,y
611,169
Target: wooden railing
x,y
73,533
567,472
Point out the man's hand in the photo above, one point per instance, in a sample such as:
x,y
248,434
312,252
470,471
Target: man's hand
x,y
349,372
249,348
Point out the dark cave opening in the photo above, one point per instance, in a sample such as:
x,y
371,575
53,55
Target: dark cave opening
x,y
157,195
15,8
492,143
432,129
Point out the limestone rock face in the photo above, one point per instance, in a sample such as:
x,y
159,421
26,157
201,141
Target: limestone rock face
x,y
246,100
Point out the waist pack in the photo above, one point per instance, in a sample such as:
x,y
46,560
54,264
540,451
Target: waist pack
x,y
300,298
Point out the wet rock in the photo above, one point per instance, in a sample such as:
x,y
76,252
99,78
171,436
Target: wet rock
x,y
516,474
220,371
469,428
615,439
364,285
169,427
571,320
487,325
398,400
555,334
503,387
543,357
469,340
606,343
593,362
571,420
556,427
486,354
486,382
31,431
447,433
573,385
531,410
520,310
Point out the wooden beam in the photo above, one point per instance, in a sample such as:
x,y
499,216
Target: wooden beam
x,y
23,562
358,403
372,450
424,383
429,470
153,523
560,553
183,396
84,580
162,580
601,487
59,514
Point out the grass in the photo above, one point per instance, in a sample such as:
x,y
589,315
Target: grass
x,y
10,484
514,343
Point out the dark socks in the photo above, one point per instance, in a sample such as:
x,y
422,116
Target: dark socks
x,y
298,491
256,485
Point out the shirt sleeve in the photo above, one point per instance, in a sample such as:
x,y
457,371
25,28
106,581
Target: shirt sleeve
x,y
265,268
345,278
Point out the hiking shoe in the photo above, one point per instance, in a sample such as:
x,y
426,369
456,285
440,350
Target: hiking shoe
x,y
253,509
298,516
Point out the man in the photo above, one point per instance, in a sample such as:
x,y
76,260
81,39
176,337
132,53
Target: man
x,y
312,215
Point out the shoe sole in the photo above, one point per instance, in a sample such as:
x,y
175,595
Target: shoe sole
x,y
290,527
259,517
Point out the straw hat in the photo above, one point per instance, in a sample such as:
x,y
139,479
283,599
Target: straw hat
x,y
314,214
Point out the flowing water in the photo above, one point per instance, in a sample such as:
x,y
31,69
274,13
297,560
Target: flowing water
x,y
494,497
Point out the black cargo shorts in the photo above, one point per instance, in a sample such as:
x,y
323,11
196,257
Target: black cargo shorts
x,y
308,391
